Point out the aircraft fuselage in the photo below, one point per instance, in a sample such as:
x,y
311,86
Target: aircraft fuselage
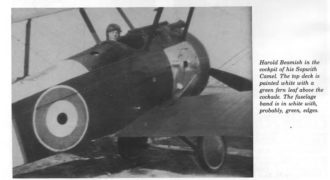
x,y
103,89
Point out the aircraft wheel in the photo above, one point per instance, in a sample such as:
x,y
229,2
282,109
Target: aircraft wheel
x,y
132,148
211,152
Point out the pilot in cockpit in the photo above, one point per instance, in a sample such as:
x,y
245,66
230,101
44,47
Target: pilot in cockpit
x,y
113,32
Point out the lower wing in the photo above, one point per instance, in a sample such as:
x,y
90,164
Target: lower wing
x,y
226,114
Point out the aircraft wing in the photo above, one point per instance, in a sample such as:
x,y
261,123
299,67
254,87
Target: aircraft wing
x,y
227,114
22,14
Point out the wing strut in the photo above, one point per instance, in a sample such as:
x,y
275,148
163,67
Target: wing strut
x,y
89,25
122,13
154,26
190,13
27,48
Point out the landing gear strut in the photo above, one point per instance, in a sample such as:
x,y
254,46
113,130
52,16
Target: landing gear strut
x,y
210,151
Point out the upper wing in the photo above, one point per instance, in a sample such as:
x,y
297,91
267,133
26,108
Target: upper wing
x,y
22,14
228,114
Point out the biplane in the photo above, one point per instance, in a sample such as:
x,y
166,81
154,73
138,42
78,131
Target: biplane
x,y
146,84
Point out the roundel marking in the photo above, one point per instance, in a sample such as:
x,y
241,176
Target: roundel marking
x,y
60,118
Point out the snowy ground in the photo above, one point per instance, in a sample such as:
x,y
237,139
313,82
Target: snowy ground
x,y
103,161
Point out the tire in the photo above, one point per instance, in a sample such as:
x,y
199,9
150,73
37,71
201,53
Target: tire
x,y
132,148
211,152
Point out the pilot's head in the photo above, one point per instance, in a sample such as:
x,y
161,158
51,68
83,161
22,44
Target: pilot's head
x,y
113,32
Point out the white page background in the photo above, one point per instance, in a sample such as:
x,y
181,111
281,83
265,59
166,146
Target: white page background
x,y
282,29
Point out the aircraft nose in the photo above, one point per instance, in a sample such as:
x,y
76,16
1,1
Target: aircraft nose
x,y
184,65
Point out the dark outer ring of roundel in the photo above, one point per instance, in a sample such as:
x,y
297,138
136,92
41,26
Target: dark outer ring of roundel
x,y
45,137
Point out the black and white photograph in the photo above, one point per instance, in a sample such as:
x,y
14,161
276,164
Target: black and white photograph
x,y
165,89
132,92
